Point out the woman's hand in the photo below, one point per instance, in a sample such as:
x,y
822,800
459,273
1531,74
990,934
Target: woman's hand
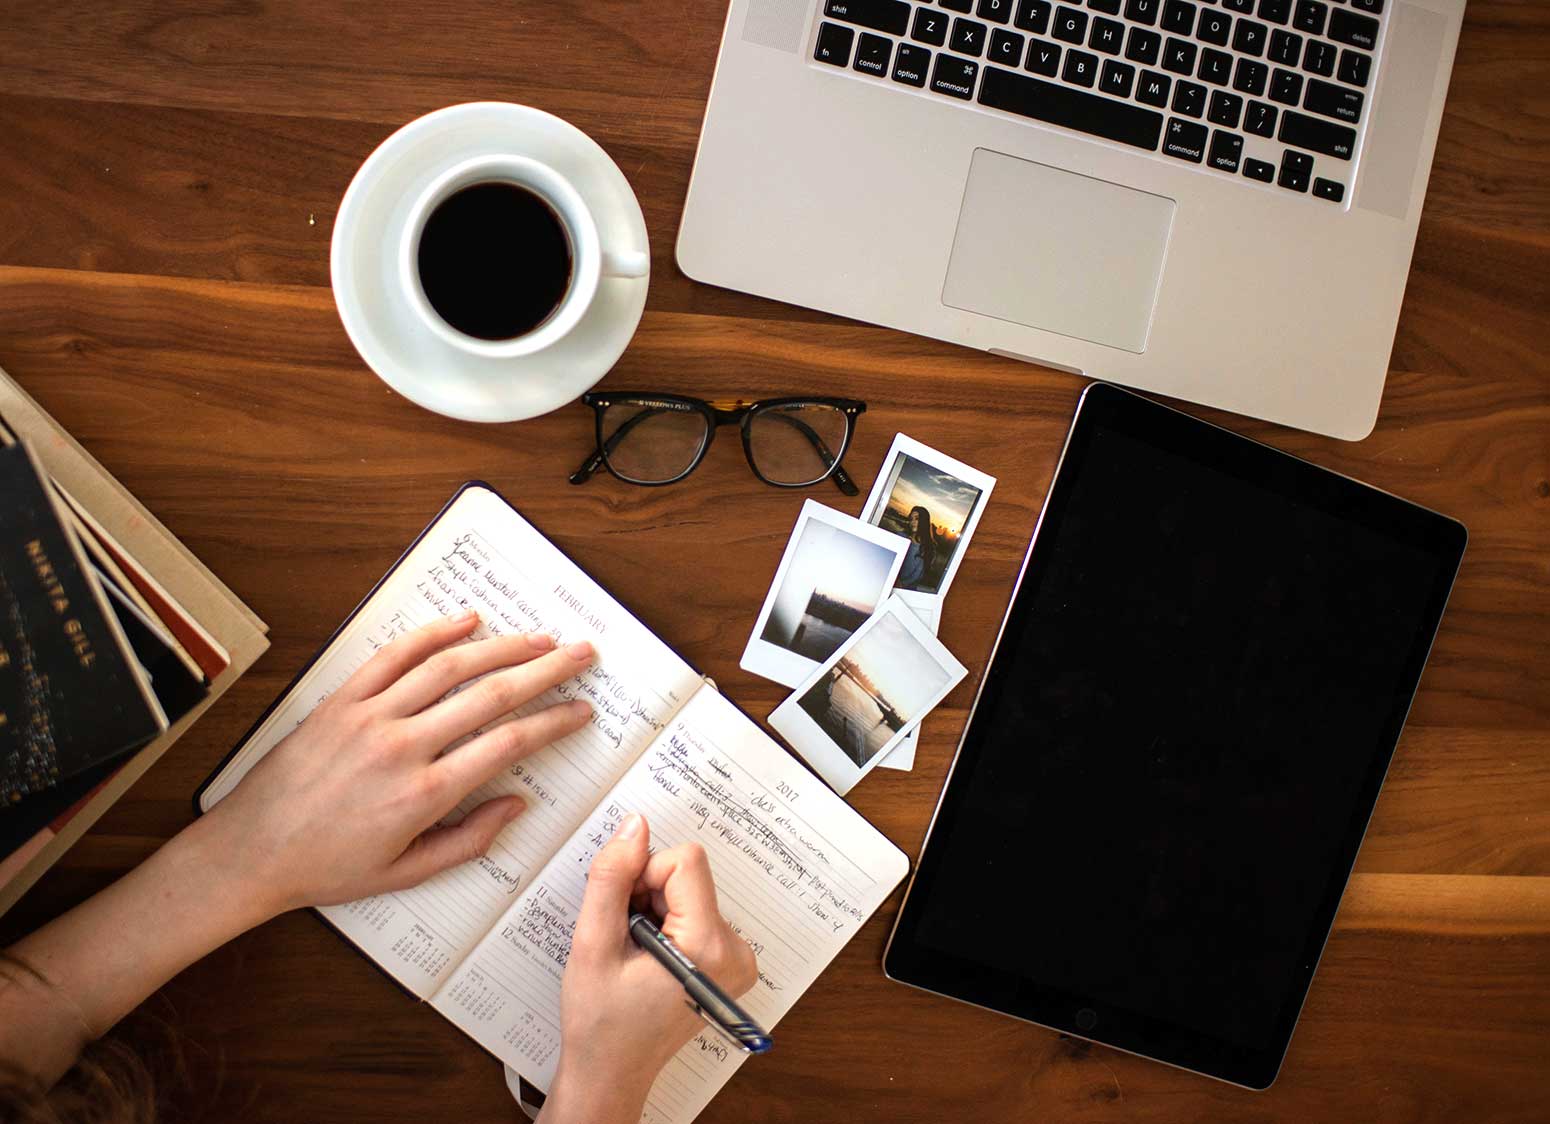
x,y
622,1014
346,805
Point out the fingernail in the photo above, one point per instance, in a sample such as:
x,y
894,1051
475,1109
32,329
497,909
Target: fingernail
x,y
465,616
540,640
518,806
630,828
580,650
581,709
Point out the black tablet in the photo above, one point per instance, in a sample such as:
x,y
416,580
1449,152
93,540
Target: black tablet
x,y
1177,745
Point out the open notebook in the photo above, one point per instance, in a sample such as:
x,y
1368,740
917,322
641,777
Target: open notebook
x,y
797,870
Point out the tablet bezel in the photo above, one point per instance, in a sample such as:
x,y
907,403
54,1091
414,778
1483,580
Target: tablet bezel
x,y
1105,406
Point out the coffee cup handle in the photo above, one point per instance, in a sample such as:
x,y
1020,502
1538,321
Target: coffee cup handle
x,y
625,263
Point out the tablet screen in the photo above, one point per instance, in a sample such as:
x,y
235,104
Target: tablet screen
x,y
1179,742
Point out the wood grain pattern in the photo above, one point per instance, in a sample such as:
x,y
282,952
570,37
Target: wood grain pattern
x,y
168,181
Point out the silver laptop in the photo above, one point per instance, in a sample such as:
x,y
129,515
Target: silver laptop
x,y
1215,201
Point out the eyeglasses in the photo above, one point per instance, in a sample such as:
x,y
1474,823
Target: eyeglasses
x,y
653,439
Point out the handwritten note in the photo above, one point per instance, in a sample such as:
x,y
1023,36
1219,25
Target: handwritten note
x,y
482,555
797,872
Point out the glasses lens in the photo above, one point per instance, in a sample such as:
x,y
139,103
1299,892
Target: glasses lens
x,y
651,442
797,443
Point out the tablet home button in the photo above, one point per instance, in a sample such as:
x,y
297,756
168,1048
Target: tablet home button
x,y
1086,1018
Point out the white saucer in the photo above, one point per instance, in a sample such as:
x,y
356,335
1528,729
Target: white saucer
x,y
387,331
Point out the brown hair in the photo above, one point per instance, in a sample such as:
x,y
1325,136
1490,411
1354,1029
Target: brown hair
x,y
109,1084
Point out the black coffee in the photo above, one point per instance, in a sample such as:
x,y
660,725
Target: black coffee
x,y
495,260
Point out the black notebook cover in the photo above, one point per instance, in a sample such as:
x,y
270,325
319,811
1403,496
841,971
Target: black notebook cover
x,y
71,695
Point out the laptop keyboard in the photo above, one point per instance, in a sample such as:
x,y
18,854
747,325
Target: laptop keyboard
x,y
1266,90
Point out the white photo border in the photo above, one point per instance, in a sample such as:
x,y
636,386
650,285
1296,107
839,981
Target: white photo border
x,y
928,607
877,498
781,664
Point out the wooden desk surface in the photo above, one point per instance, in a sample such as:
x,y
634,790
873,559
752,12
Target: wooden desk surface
x,y
169,174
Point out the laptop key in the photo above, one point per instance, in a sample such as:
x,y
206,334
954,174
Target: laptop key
x,y
1214,27
1032,15
1107,36
968,37
1178,16
1179,56
1055,104
1143,46
1261,170
1251,77
1225,109
1333,101
1285,48
910,63
1189,99
1117,78
1070,25
892,16
1153,89
1353,29
1006,47
1248,38
1317,135
1260,119
1043,58
1141,11
957,5
1185,140
1226,150
1355,67
1215,67
1310,16
1276,11
930,27
834,44
1333,190
873,54
997,11
1296,167
1107,7
1242,7
954,77
1081,68
1319,58
1285,87
1373,6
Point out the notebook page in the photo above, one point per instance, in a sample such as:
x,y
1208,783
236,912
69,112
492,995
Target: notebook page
x,y
483,554
797,874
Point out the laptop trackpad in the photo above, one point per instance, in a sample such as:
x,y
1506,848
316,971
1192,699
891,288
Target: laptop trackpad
x,y
1051,249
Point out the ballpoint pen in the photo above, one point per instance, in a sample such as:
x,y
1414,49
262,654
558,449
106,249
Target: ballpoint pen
x,y
715,1006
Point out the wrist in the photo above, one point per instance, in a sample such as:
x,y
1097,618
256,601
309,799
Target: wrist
x,y
242,887
602,1095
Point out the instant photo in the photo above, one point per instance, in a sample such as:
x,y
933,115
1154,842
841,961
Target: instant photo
x,y
934,503
929,609
868,696
835,572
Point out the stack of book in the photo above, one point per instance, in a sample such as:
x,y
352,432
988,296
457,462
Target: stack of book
x,y
113,638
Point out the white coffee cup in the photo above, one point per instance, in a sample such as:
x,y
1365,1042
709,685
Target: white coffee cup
x,y
591,261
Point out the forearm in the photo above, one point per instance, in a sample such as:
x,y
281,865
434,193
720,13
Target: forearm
x,y
103,958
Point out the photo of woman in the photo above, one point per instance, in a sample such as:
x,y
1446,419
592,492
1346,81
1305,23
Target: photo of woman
x,y
921,556
933,505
